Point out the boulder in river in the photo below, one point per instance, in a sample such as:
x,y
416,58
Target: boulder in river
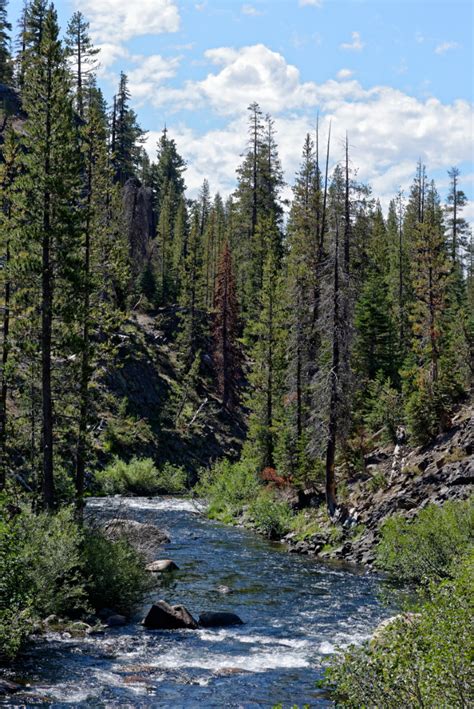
x,y
144,537
7,687
225,590
219,619
161,566
162,616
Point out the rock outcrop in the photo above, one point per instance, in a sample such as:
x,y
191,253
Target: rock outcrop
x,y
139,220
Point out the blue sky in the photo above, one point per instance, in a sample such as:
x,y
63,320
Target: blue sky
x,y
396,75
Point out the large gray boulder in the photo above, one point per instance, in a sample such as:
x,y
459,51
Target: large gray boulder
x,y
145,538
162,616
219,620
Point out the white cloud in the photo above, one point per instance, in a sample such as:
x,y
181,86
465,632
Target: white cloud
x,y
356,45
344,73
311,3
388,129
251,11
445,47
150,74
119,20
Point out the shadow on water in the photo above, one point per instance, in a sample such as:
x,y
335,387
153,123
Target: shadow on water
x,y
296,613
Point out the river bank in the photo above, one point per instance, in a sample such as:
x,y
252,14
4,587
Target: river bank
x,y
295,612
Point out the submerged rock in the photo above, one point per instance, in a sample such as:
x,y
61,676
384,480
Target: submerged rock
x,y
224,590
162,616
116,621
219,620
162,565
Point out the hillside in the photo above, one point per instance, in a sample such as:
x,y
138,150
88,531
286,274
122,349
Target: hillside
x,y
435,473
148,407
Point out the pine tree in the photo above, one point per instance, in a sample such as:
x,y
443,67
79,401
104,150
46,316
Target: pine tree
x,y
302,283
227,353
168,172
82,53
193,326
257,204
8,176
104,265
6,64
127,136
51,187
268,364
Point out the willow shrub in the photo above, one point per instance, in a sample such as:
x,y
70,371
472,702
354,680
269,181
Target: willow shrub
x,y
424,663
228,488
429,546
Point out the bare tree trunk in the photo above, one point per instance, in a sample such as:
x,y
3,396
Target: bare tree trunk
x,y
5,353
85,364
47,321
334,391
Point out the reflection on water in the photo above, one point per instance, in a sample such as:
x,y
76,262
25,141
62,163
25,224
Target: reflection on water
x,y
296,613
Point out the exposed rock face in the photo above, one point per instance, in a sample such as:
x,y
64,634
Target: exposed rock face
x,y
145,538
435,473
219,620
162,566
162,616
139,219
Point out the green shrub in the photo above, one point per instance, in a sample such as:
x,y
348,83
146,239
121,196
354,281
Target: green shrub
x,y
228,488
424,663
141,477
138,477
270,516
117,577
46,556
48,565
428,546
172,480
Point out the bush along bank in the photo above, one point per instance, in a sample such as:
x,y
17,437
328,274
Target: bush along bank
x,y
422,658
55,573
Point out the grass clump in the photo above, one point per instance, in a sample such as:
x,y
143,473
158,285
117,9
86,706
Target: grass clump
x,y
429,546
141,477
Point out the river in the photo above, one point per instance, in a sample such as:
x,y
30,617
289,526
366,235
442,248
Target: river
x,y
296,611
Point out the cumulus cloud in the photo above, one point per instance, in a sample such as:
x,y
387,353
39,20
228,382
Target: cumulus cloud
x,y
356,45
344,73
120,20
150,73
388,129
445,47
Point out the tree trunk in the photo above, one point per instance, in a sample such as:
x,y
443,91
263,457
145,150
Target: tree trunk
x,y
334,393
47,321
